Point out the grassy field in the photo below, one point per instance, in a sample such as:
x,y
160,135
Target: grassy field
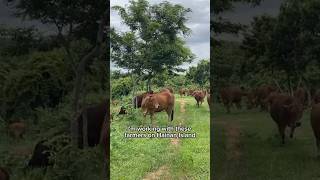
x,y
247,147
164,158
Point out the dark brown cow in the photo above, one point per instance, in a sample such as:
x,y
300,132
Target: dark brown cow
x,y
138,99
17,129
231,95
262,93
162,101
301,95
95,116
4,175
199,96
315,124
286,111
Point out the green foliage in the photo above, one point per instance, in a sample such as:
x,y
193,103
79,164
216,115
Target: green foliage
x,y
121,87
18,41
42,82
199,74
154,44
79,17
288,43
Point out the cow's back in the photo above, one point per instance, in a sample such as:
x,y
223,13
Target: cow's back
x,y
165,99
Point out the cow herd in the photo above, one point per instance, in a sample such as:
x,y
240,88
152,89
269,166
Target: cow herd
x,y
286,109
164,100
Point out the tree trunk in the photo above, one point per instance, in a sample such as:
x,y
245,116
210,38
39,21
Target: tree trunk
x,y
81,70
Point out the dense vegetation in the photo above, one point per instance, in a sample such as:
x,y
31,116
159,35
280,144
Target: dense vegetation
x,y
39,77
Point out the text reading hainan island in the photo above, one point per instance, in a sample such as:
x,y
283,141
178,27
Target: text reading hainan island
x,y
159,132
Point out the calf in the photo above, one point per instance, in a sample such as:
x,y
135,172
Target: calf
x,y
231,95
315,123
162,101
17,129
286,111
122,110
4,175
199,96
40,156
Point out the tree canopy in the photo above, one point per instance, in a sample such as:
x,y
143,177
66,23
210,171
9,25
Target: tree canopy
x,y
155,41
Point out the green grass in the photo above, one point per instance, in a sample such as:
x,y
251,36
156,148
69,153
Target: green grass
x,y
135,158
262,156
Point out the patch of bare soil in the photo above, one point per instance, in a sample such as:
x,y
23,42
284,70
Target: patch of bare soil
x,y
233,142
182,106
161,173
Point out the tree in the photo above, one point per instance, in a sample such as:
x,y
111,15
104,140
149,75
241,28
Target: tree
x,y
199,74
154,43
287,43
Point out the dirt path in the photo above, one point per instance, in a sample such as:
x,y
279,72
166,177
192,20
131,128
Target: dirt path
x,y
161,173
164,172
233,142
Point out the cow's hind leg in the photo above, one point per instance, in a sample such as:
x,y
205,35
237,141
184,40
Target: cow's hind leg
x,y
318,147
282,133
291,132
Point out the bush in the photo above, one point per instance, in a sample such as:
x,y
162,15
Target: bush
x,y
121,87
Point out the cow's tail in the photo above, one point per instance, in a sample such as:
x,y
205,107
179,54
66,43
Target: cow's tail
x,y
172,112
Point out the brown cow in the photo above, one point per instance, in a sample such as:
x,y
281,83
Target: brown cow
x,y
262,93
315,124
199,96
251,99
270,99
4,175
231,95
169,88
162,101
286,111
183,92
209,100
17,129
301,95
